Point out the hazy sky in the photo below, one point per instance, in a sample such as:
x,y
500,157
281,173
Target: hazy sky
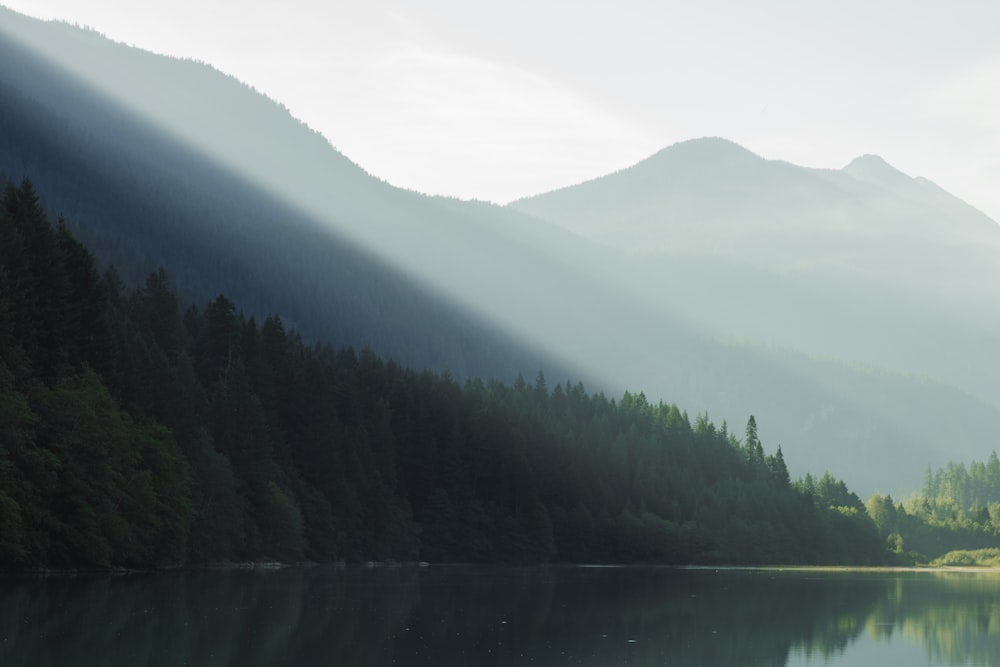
x,y
497,100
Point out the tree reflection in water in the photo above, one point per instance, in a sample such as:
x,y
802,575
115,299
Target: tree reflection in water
x,y
494,616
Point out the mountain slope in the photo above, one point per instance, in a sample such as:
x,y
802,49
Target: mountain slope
x,y
141,198
712,194
863,264
233,195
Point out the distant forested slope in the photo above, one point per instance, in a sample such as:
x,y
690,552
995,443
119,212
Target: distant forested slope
x,y
138,433
141,199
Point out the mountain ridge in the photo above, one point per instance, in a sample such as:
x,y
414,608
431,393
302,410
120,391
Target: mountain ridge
x,y
865,234
686,163
592,314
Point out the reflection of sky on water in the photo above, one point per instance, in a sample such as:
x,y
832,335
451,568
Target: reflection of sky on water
x,y
886,651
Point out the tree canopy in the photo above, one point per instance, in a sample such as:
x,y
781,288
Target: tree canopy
x,y
136,432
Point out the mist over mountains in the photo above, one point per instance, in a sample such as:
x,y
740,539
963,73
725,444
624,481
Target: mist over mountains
x,y
860,263
854,312
863,264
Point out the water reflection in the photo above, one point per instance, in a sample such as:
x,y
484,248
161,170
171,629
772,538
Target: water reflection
x,y
956,616
502,616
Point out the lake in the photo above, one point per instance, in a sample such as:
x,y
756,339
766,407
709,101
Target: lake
x,y
473,615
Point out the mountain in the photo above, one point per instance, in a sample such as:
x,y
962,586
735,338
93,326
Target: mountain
x,y
713,195
141,193
862,264
161,161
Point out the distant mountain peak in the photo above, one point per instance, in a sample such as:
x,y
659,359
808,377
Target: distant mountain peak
x,y
696,158
707,149
874,169
868,159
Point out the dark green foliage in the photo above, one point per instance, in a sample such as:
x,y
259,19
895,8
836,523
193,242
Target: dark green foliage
x,y
18,455
138,436
118,491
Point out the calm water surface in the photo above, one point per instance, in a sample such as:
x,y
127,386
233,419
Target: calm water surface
x,y
503,616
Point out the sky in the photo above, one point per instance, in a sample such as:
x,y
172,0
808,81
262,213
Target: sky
x,y
501,100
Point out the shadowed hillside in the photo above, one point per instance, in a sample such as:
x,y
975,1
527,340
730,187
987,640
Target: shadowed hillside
x,y
232,194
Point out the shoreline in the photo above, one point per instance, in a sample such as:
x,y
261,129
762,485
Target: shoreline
x,y
271,566
901,569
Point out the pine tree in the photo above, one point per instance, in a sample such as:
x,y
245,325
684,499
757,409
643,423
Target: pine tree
x,y
751,443
779,471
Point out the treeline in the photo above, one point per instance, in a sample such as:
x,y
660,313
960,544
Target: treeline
x,y
957,492
958,509
136,433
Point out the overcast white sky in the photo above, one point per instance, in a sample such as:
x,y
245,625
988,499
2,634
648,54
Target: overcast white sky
x,y
498,100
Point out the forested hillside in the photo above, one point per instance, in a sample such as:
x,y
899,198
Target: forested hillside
x,y
138,432
156,161
140,198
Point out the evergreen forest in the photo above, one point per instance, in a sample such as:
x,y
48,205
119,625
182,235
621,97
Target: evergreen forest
x,y
953,520
137,432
